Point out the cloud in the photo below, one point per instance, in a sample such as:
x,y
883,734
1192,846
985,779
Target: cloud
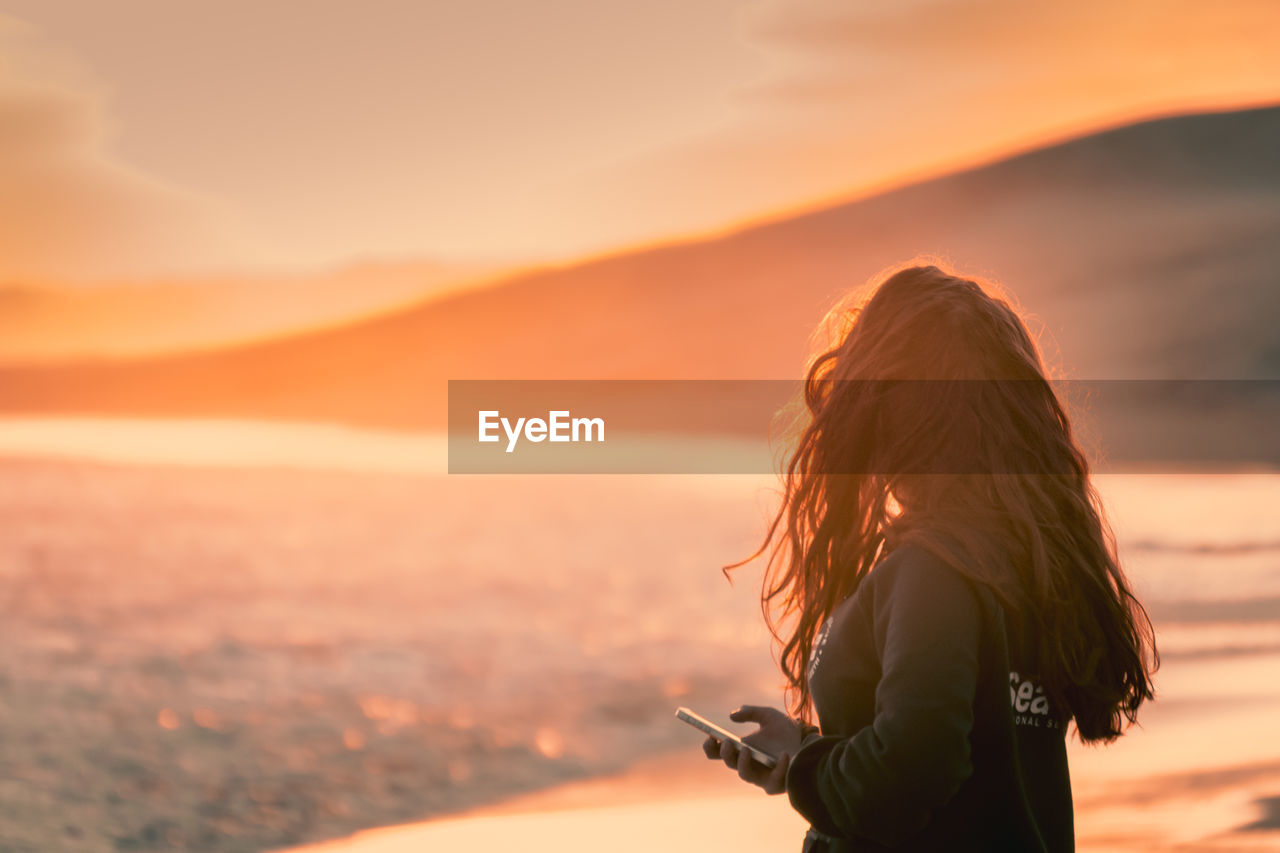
x,y
67,211
863,95
926,51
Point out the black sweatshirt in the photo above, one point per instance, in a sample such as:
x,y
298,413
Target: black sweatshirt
x,y
935,734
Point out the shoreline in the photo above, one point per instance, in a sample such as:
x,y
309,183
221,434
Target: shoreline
x,y
674,800
682,802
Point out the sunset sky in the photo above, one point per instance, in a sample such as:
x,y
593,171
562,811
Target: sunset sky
x,y
148,138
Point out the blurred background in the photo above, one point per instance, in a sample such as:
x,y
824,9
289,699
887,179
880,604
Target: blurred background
x,y
244,247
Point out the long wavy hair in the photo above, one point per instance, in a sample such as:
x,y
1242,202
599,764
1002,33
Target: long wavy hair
x,y
929,419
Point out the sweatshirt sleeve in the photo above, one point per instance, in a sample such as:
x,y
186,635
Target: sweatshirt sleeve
x,y
884,782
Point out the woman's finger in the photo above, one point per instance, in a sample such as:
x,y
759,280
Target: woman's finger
x,y
750,770
729,754
777,781
754,714
711,747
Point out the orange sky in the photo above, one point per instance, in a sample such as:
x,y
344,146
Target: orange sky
x,y
145,137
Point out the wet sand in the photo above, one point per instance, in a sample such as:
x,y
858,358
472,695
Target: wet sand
x,y
1188,780
673,802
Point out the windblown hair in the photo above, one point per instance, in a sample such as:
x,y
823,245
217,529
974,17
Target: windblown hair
x,y
930,420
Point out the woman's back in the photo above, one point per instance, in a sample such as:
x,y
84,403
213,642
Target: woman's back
x,y
934,734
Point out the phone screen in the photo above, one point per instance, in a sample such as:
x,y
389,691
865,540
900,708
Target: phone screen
x,y
703,724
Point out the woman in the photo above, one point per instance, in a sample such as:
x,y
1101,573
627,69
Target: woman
x,y
949,587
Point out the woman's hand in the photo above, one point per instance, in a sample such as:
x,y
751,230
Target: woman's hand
x,y
778,735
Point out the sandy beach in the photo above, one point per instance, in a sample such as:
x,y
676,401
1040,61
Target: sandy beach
x,y
243,657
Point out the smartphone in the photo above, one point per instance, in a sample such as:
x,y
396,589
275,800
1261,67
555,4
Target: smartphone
x,y
702,723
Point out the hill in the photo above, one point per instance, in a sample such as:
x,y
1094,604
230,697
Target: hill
x,y
1146,251
48,321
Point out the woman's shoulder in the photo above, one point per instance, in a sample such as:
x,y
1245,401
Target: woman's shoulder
x,y
911,569
911,560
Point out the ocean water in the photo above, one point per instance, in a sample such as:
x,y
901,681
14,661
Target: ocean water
x,y
252,651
